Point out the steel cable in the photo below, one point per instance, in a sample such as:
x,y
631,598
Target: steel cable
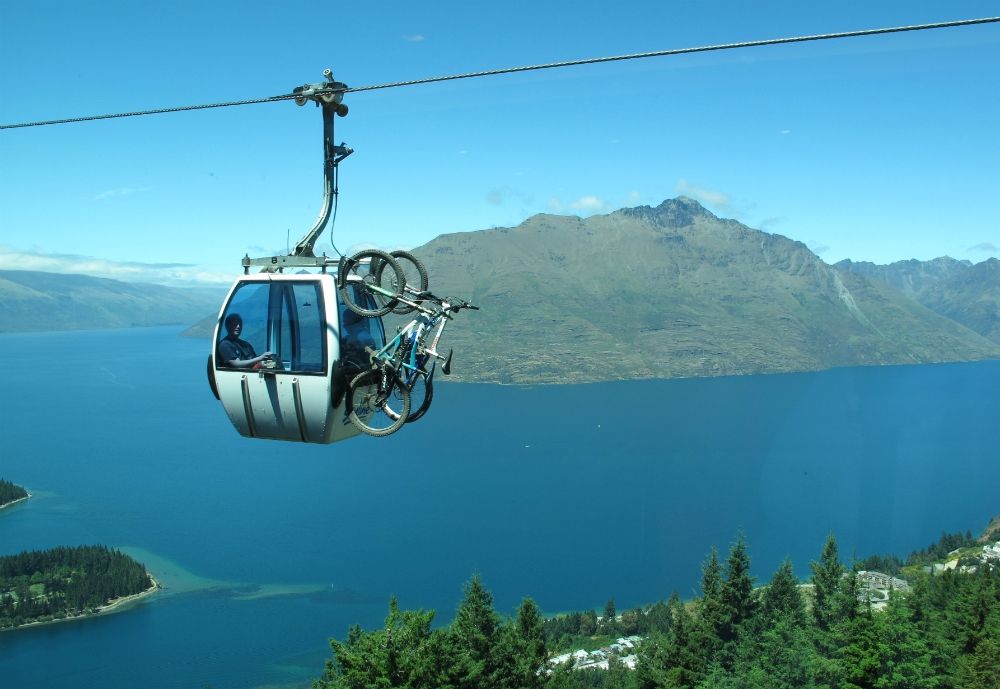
x,y
530,68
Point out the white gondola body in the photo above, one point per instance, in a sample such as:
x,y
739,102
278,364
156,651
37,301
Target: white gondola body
x,y
316,344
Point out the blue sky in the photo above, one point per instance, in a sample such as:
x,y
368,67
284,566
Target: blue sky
x,y
879,148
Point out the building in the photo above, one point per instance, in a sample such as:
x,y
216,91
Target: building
x,y
877,581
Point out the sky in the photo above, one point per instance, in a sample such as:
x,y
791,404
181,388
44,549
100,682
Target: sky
x,y
879,148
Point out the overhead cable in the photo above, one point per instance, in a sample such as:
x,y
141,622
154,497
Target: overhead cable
x,y
158,111
530,68
683,51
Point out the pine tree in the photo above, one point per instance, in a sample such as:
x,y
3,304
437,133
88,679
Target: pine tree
x,y
684,658
529,646
826,576
609,622
848,597
906,658
404,653
981,669
658,618
738,601
619,677
474,633
772,648
671,660
859,658
711,612
782,599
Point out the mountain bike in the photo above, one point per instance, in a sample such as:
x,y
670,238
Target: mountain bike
x,y
381,399
386,277
379,274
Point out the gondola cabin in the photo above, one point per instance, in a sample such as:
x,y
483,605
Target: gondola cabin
x,y
316,343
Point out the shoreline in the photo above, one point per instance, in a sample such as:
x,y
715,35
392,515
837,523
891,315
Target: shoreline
x,y
14,502
119,604
111,607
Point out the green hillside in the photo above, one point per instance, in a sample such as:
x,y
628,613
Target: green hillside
x,y
671,291
675,291
964,292
38,301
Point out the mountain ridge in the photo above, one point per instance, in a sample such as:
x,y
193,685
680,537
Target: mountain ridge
x,y
709,296
645,292
32,301
966,292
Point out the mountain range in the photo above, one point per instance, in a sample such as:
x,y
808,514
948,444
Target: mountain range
x,y
34,300
965,292
674,291
645,292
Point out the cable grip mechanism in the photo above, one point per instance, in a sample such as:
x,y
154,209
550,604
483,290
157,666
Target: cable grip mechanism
x,y
329,92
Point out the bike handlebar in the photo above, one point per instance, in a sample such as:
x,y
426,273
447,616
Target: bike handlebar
x,y
462,304
453,304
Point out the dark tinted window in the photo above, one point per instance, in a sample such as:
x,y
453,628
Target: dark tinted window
x,y
281,317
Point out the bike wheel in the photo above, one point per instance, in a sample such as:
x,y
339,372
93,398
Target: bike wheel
x,y
377,403
415,274
366,287
421,395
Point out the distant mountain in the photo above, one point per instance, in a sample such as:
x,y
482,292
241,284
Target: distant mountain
x,y
965,292
37,301
670,291
204,327
909,277
674,291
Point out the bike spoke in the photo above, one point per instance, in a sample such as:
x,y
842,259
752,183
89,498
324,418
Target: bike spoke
x,y
378,404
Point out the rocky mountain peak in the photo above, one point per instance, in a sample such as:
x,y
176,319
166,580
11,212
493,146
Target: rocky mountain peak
x,y
672,213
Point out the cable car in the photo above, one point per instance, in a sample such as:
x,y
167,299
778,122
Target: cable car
x,y
315,343
285,344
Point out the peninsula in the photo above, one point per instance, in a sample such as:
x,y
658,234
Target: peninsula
x,y
11,493
65,583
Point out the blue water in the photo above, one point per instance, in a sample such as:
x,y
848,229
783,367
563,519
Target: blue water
x,y
568,494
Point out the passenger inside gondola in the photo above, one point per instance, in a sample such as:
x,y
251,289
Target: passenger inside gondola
x,y
237,353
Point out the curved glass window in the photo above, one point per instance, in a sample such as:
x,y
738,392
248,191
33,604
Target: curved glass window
x,y
358,333
286,319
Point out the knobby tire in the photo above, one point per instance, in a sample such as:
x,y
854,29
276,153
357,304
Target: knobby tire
x,y
372,408
372,273
415,277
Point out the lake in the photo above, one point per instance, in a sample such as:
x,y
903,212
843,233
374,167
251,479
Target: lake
x,y
568,494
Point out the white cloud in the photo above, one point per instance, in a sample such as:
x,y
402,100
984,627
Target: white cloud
x,y
588,203
120,191
987,247
176,274
785,131
554,205
414,38
717,199
633,198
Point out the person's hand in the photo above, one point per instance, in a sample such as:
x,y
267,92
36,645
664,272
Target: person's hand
x,y
268,355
